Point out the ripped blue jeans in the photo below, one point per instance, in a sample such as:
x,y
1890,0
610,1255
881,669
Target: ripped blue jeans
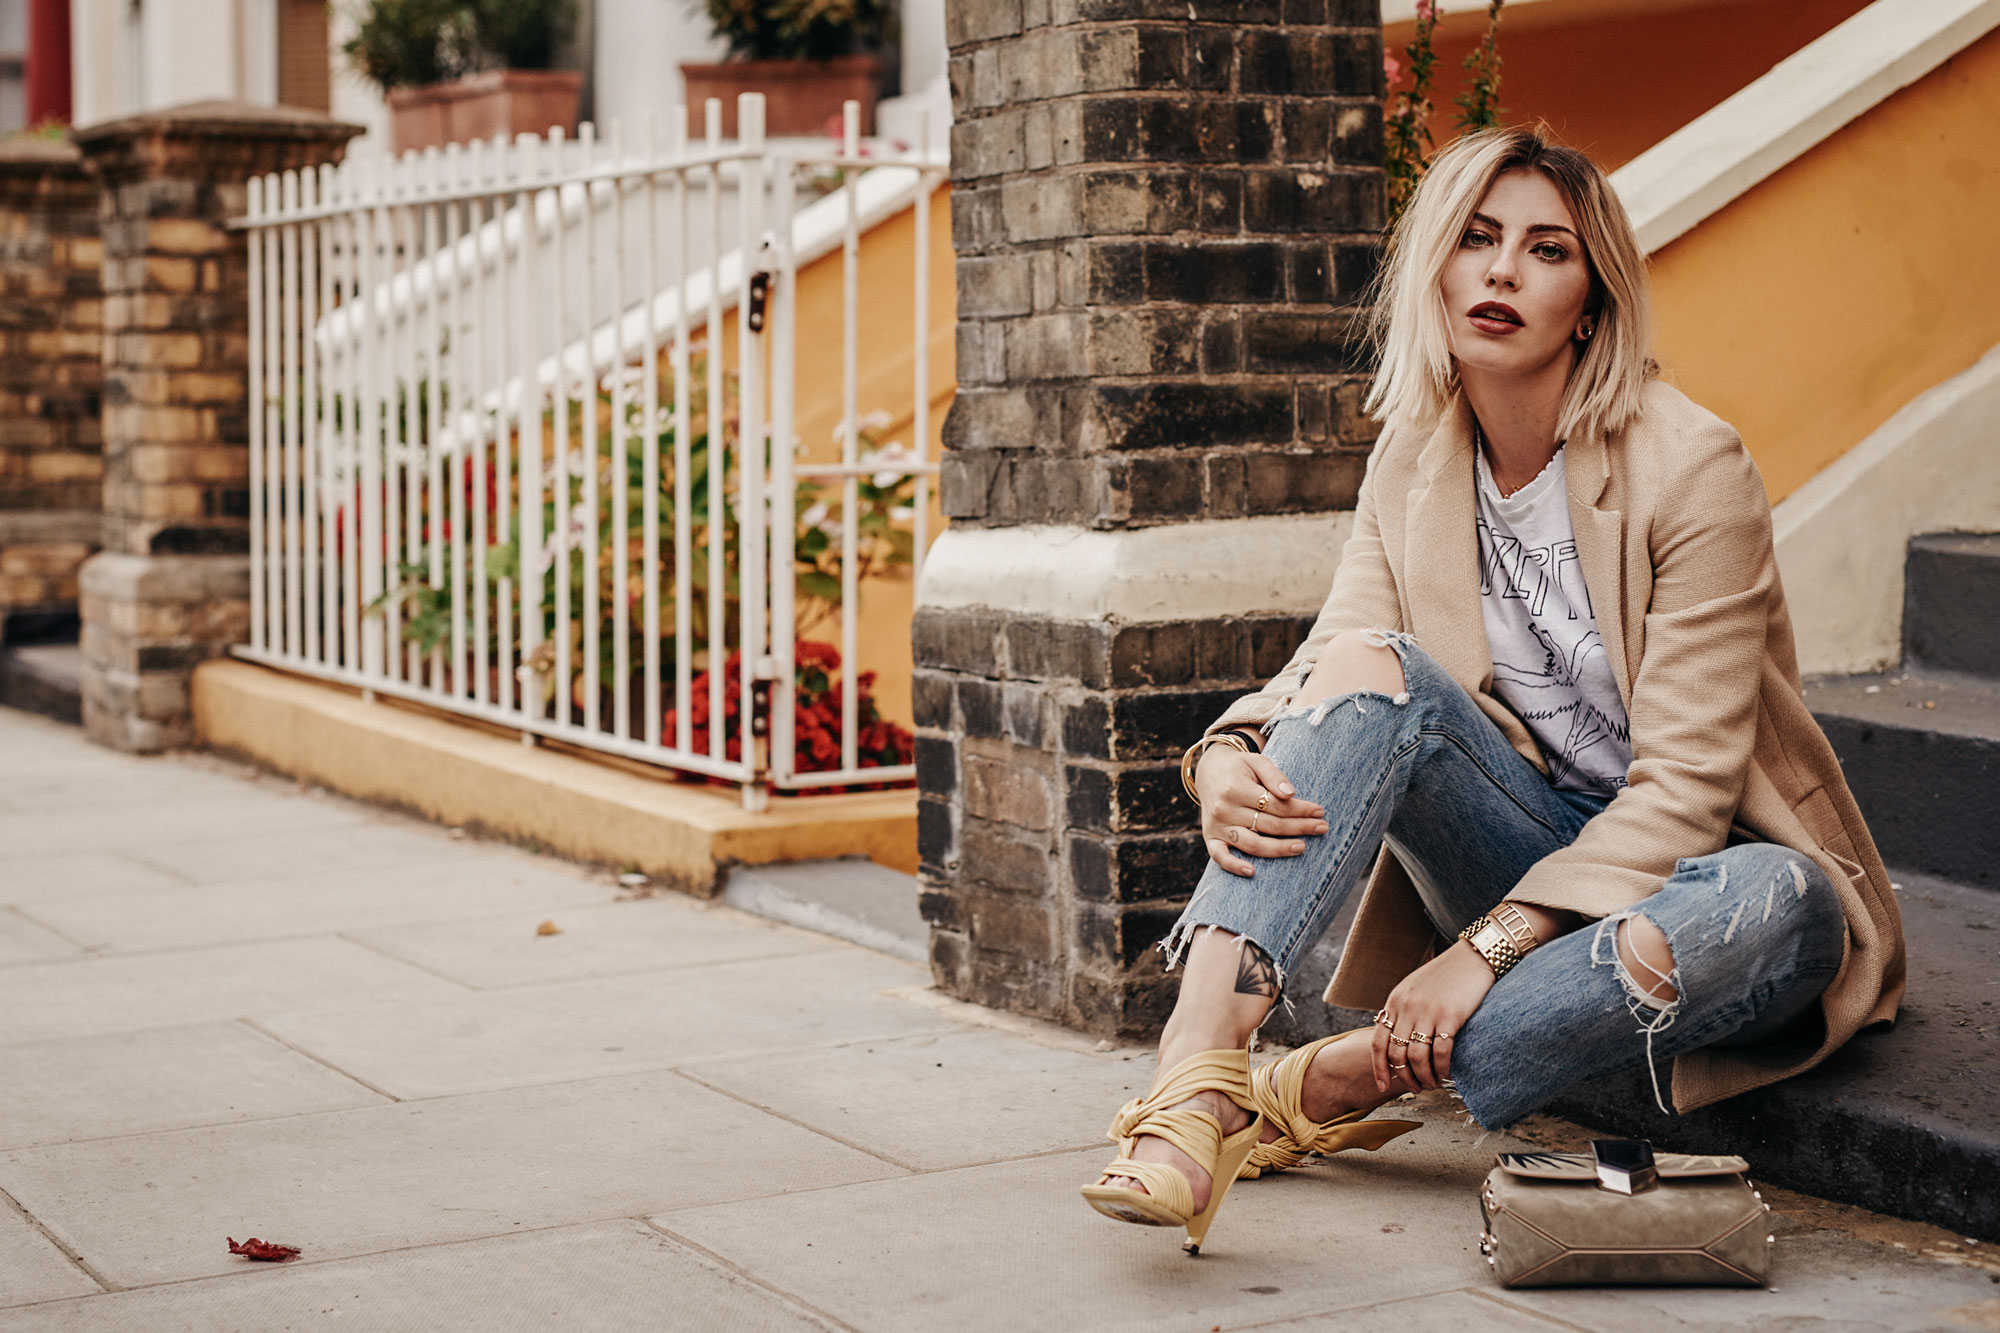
x,y
1755,930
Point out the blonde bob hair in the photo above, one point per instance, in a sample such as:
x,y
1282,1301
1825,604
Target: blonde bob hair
x,y
1417,378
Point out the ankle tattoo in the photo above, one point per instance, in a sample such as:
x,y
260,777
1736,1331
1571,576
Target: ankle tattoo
x,y
1256,974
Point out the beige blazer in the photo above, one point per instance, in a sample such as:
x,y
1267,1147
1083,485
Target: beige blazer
x,y
1674,537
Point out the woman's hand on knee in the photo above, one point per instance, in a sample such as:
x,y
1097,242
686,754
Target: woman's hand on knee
x,y
1419,1025
1249,808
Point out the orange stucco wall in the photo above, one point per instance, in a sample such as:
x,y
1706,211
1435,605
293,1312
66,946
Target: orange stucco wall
x,y
1614,84
1812,308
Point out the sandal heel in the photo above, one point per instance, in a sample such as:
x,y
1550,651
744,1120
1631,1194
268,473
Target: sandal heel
x,y
1168,1197
1235,1151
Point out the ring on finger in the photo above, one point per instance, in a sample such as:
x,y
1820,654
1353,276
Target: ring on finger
x,y
1254,816
1382,1020
1394,1065
1399,1041
1263,799
1442,1036
1423,1038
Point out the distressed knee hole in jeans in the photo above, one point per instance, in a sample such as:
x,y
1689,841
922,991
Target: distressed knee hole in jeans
x,y
1654,1013
1316,713
1393,639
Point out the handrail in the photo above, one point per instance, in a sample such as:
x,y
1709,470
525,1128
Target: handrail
x,y
1804,99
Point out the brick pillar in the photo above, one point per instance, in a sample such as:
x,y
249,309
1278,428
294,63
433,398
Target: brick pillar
x,y
1164,212
171,587
51,349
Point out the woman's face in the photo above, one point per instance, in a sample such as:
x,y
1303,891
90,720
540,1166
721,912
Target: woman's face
x,y
1515,289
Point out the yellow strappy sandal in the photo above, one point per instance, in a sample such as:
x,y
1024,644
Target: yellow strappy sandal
x,y
1169,1198
1278,1089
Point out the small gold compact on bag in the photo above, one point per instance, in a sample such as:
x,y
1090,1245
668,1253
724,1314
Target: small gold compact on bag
x,y
1619,1215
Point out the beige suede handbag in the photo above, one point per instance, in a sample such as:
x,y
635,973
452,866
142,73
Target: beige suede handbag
x,y
1619,1216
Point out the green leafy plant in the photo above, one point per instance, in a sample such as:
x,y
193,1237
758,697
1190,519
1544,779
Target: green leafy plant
x,y
1407,142
522,34
797,29
1479,102
883,508
407,43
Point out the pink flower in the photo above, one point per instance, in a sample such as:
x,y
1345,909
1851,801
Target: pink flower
x,y
1426,11
1392,68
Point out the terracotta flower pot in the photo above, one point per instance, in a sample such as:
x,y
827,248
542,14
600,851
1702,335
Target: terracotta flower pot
x,y
800,96
479,106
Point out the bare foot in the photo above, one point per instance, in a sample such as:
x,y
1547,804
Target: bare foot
x,y
1340,1079
1151,1148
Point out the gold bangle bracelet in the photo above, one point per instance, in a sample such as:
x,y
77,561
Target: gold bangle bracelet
x,y
1192,758
1520,931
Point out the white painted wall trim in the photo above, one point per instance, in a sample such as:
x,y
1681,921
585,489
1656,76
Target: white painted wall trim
x,y
1842,537
1280,563
1721,154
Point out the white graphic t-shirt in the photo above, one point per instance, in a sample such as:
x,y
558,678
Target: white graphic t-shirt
x,y
1549,665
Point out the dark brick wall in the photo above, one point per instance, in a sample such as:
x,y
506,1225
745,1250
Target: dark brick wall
x,y
1166,215
1057,845
1164,225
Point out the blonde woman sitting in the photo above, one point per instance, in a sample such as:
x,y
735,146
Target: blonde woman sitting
x,y
1551,703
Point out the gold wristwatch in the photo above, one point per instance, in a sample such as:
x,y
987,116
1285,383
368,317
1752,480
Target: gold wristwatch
x,y
1503,938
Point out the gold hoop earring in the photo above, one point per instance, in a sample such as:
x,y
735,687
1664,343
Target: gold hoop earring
x,y
1586,333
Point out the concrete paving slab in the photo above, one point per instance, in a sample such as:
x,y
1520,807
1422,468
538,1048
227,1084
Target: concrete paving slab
x,y
32,1268
311,900
257,854
75,999
1820,1280
1448,1312
157,1207
81,1088
66,875
159,781
947,1100
587,1029
1013,1244
25,941
608,1275
148,826
601,940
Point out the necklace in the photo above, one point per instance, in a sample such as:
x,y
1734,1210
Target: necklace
x,y
1506,492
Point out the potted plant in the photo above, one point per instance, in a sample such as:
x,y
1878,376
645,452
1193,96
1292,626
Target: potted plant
x,y
457,70
806,56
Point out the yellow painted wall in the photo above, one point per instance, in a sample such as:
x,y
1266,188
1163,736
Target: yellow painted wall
x,y
1613,82
1812,308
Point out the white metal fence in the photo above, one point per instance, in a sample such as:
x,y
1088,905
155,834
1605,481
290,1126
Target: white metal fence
x,y
522,438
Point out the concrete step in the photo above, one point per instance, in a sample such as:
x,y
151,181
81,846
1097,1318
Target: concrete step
x,y
851,899
45,678
1951,603
1922,755
1902,1122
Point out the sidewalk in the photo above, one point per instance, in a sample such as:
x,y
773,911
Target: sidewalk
x,y
229,1007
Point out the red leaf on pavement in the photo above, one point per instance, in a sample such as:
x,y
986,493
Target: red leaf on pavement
x,y
263,1249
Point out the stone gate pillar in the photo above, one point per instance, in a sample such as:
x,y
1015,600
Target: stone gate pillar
x,y
51,365
172,586
1165,212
